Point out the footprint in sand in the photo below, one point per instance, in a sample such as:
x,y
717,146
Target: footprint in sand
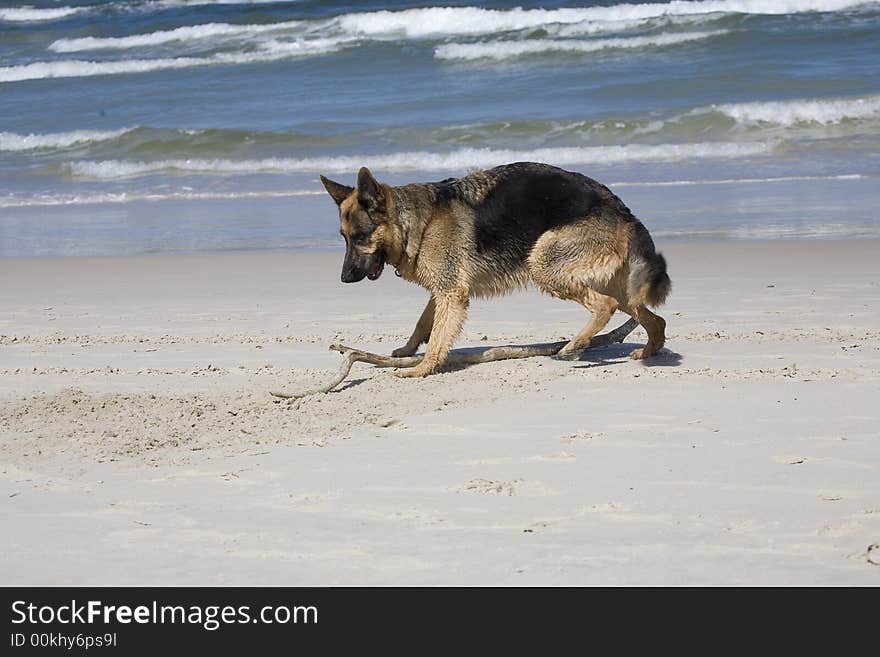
x,y
559,456
519,487
490,486
580,437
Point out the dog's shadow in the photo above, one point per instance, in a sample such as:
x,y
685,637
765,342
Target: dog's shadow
x,y
619,354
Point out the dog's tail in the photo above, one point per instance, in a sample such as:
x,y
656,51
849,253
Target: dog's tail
x,y
648,283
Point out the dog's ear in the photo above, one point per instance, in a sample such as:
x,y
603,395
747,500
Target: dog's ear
x,y
370,192
337,191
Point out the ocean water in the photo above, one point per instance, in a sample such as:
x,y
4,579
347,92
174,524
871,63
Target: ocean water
x,y
161,126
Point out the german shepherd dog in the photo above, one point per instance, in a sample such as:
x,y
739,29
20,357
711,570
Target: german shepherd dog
x,y
493,231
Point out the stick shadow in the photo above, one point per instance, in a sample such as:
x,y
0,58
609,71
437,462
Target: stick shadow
x,y
353,383
607,355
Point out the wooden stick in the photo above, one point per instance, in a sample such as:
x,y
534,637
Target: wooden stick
x,y
470,356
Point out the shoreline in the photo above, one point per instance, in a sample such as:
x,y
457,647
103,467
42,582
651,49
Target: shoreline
x,y
339,249
826,209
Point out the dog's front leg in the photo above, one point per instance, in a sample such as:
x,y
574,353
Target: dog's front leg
x,y
450,310
420,334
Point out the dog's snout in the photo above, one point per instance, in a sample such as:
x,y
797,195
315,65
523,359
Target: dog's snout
x,y
352,275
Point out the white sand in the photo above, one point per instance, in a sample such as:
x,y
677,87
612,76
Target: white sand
x,y
138,444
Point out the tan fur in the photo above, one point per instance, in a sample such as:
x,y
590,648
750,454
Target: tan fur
x,y
588,263
656,328
421,333
602,307
566,261
346,208
449,316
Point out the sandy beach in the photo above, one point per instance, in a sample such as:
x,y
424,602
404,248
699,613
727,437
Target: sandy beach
x,y
139,443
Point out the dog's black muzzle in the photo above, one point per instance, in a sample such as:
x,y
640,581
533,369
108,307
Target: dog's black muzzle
x,y
355,268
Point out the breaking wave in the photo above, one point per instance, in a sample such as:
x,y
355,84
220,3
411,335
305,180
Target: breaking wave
x,y
268,52
453,21
500,50
197,3
51,200
733,181
421,160
228,43
446,22
29,14
112,198
792,112
10,141
186,33
723,123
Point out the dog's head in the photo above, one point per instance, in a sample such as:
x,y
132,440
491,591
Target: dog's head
x,y
363,221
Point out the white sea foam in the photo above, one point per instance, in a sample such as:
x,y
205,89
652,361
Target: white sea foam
x,y
272,51
345,26
734,181
586,28
428,22
28,14
799,231
792,112
451,21
48,200
424,161
499,50
10,141
186,33
410,23
811,230
31,14
439,22
446,21
196,3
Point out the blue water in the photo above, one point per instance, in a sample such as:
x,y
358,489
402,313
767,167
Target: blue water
x,y
152,126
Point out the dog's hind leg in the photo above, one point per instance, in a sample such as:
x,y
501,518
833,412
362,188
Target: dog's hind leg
x,y
582,263
450,312
602,307
420,334
656,329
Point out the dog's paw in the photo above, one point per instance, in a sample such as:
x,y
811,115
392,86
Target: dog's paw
x,y
402,352
574,354
568,354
